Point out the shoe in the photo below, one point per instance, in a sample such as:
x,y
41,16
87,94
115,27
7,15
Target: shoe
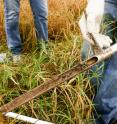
x,y
3,57
13,58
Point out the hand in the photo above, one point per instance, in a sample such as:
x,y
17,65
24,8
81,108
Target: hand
x,y
102,41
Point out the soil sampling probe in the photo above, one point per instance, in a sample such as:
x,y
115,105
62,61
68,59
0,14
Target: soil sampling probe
x,y
57,80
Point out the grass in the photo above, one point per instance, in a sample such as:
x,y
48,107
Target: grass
x,y
69,103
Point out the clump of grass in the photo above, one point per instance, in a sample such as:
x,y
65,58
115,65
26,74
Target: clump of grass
x,y
67,103
63,15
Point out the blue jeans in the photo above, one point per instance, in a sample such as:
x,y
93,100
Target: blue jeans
x,y
106,79
40,14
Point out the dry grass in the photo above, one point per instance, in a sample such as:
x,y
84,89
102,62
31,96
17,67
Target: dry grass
x,y
63,15
1,21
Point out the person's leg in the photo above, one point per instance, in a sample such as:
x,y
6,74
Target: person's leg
x,y
12,25
106,98
40,13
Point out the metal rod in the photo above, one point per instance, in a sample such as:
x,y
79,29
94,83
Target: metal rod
x,y
107,53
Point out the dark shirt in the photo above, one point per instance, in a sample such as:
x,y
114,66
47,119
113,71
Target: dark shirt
x,y
111,1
